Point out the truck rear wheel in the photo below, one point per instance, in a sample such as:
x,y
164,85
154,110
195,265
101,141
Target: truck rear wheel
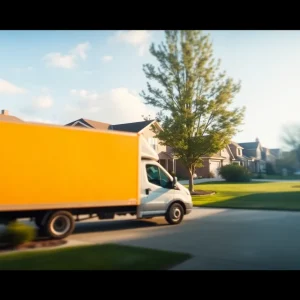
x,y
60,224
175,214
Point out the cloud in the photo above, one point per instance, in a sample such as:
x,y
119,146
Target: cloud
x,y
115,106
106,58
67,61
43,102
9,88
137,38
60,61
19,70
38,104
81,49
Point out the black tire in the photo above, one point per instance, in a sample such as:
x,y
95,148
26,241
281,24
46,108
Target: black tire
x,y
59,225
175,214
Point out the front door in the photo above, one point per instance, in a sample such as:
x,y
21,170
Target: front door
x,y
158,190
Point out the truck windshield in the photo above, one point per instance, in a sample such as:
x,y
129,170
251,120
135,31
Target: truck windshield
x,y
157,176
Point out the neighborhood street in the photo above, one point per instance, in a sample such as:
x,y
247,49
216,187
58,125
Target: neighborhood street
x,y
218,238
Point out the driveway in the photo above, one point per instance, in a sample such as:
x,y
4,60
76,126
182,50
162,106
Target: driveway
x,y
219,239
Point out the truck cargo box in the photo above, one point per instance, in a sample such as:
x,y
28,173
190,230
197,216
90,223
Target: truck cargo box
x,y
47,166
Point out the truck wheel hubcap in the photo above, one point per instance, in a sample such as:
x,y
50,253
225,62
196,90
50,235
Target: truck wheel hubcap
x,y
60,225
176,213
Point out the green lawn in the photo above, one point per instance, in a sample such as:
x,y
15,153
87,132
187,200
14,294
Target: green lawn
x,y
95,257
255,195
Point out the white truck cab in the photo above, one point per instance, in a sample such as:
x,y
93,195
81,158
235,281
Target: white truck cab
x,y
161,194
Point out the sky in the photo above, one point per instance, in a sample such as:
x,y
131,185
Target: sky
x,y
60,76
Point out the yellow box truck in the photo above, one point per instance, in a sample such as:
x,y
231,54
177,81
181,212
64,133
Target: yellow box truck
x,y
55,174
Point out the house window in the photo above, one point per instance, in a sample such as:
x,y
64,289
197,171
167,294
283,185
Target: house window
x,y
153,143
239,152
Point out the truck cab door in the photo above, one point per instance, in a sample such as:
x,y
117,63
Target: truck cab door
x,y
157,191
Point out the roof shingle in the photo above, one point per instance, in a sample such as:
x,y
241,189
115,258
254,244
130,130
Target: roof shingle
x,y
131,127
8,118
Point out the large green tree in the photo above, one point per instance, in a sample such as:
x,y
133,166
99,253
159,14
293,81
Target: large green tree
x,y
194,99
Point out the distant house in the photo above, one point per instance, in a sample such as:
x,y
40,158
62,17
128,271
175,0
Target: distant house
x,y
166,159
255,152
6,117
211,164
268,156
240,158
277,153
89,124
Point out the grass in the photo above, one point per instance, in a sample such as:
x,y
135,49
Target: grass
x,y
253,195
95,257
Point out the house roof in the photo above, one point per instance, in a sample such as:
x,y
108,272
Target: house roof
x,y
249,146
131,127
134,127
235,144
90,123
8,118
275,152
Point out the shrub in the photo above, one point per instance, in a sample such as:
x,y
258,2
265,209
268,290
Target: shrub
x,y
211,174
235,173
260,175
270,170
17,233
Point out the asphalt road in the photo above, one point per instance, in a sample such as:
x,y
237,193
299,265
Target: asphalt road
x,y
219,239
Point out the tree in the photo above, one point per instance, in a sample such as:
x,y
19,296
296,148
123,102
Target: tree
x,y
287,161
291,138
270,170
193,100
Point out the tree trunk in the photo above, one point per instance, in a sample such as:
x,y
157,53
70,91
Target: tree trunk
x,y
191,180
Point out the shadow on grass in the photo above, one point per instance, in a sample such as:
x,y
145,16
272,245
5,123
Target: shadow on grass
x,y
117,257
270,201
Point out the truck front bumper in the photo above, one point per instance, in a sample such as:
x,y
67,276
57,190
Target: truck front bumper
x,y
188,208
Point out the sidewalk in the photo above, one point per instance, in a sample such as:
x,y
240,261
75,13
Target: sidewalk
x,y
196,181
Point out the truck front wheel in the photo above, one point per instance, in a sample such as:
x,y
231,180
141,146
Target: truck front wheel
x,y
60,225
175,214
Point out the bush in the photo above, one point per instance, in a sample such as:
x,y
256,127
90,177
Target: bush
x,y
270,170
235,173
260,175
17,233
211,174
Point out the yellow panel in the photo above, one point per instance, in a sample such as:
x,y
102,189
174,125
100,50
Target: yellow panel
x,y
56,165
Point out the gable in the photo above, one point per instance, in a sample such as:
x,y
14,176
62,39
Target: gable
x,y
136,126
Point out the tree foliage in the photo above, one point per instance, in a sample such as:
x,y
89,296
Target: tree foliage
x,y
287,161
192,96
291,138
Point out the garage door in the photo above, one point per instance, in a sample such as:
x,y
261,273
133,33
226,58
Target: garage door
x,y
214,167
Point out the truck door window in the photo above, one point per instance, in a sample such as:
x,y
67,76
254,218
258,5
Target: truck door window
x,y
157,176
